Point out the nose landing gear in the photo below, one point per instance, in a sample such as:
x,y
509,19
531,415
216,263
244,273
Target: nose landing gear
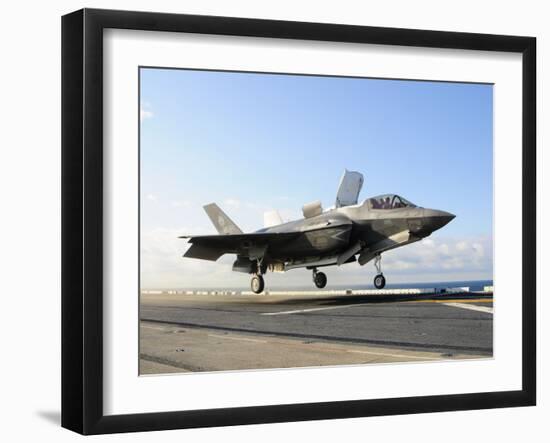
x,y
379,279
319,278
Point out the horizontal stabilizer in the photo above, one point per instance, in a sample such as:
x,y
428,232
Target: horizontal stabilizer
x,y
244,244
204,252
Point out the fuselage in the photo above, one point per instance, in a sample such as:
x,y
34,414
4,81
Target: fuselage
x,y
375,229
347,233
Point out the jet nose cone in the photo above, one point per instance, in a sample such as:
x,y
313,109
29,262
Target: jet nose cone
x,y
444,217
436,219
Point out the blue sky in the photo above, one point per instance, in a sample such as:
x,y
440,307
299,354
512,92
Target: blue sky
x,y
255,142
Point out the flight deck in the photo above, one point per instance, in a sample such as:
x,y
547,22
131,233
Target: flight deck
x,y
217,330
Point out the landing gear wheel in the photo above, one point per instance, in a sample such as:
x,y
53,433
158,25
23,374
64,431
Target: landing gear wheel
x,y
320,279
379,281
257,284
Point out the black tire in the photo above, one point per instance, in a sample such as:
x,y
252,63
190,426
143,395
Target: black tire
x,y
379,281
257,284
320,280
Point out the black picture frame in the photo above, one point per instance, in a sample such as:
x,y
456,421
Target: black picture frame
x,y
82,220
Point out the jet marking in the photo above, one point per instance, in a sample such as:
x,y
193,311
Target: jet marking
x,y
337,235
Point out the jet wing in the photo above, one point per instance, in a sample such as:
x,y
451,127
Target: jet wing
x,y
212,247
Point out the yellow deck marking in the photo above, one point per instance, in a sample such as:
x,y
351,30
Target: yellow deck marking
x,y
485,309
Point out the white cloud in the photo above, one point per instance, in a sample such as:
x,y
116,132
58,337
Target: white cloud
x,y
145,113
233,203
428,242
479,249
439,254
180,203
444,249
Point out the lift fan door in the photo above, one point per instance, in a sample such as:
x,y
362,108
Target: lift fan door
x,y
349,189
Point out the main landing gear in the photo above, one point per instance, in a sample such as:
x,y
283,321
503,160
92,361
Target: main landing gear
x,y
379,280
257,283
319,278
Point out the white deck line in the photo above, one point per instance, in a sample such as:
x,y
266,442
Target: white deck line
x,y
298,311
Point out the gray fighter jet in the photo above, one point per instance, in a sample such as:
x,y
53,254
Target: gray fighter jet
x,y
346,233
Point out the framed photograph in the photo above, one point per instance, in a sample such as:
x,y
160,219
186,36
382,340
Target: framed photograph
x,y
269,221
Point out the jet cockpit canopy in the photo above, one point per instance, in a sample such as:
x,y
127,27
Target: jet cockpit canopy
x,y
389,201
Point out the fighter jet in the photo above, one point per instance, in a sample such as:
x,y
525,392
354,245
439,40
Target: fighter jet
x,y
348,232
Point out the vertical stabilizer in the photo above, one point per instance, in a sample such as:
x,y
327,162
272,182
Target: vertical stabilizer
x,y
272,218
220,220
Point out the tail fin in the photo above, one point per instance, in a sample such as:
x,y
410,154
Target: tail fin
x,y
272,218
221,221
